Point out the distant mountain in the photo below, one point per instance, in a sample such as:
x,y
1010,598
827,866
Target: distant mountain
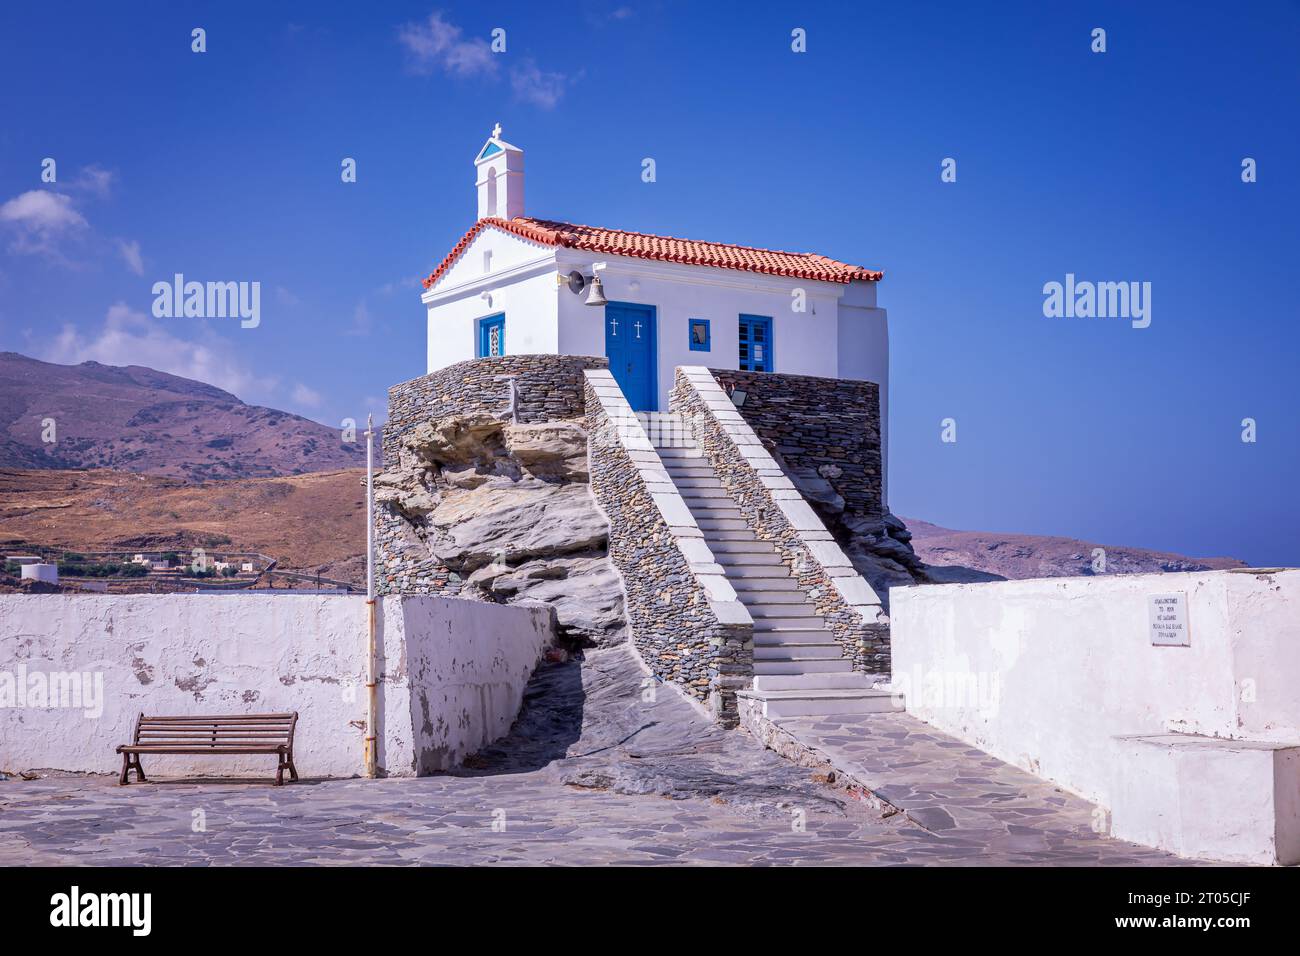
x,y
133,418
1018,556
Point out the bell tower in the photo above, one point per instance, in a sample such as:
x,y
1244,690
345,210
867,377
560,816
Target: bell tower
x,y
500,178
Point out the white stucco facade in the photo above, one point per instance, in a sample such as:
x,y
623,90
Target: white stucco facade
x,y
453,674
1059,676
842,333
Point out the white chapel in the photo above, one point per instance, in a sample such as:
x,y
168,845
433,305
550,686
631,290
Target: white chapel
x,y
515,284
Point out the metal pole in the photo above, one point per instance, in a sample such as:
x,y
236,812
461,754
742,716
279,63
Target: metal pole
x,y
372,688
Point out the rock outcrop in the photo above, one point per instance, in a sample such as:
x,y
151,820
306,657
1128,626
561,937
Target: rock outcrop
x,y
508,511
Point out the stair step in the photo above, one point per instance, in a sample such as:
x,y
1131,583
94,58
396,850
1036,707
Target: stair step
x,y
744,534
799,668
767,558
855,681
768,610
757,571
679,451
776,610
753,546
798,652
715,511
821,703
704,494
720,524
811,635
758,587
792,623
696,481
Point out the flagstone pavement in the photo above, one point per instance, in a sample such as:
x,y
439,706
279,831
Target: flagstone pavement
x,y
592,773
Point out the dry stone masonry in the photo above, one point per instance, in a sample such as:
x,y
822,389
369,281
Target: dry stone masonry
x,y
683,614
776,511
824,433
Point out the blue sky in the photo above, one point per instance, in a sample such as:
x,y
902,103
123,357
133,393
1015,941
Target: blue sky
x,y
1118,166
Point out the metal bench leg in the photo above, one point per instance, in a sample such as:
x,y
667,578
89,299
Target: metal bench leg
x,y
139,771
279,774
293,772
126,765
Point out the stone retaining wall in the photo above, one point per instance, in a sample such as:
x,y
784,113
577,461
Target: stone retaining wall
x,y
685,620
777,512
547,388
826,426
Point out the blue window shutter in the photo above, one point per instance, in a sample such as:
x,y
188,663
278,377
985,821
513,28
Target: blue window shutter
x,y
699,335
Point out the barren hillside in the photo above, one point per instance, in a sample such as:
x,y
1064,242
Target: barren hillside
x,y
1015,556
311,522
133,418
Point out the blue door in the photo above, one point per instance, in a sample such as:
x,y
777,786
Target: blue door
x,y
755,343
630,346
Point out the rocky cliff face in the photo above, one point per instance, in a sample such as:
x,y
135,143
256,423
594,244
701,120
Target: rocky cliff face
x,y
880,548
507,510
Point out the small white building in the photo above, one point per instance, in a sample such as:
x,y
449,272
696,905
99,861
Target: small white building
x,y
47,573
519,285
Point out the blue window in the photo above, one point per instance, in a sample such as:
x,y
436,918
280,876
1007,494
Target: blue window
x,y
755,343
492,335
699,335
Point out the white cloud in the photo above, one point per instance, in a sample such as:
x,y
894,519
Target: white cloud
x,y
93,180
129,337
362,321
130,250
533,85
438,44
303,395
40,220
410,282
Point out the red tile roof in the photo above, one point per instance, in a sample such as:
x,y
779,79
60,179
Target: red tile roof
x,y
641,245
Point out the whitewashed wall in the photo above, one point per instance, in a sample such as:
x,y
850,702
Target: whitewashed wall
x,y
453,675
806,343
521,283
1044,673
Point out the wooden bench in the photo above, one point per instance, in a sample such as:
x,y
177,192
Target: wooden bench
x,y
270,734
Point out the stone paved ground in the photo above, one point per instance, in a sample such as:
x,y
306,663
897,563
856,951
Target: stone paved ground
x,y
951,788
591,774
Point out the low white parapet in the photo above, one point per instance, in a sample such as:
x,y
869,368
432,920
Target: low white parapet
x,y
76,670
1046,674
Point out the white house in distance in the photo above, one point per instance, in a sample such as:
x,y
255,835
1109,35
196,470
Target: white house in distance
x,y
518,285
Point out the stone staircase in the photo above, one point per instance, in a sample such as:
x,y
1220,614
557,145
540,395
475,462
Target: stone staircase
x,y
799,667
